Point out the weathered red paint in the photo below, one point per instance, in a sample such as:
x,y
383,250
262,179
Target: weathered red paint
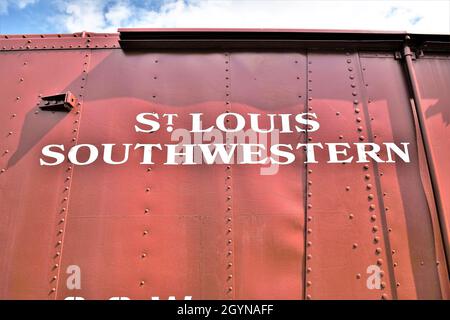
x,y
218,232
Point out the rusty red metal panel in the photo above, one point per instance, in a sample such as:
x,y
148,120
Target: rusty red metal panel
x,y
417,259
175,216
32,197
345,232
433,75
269,200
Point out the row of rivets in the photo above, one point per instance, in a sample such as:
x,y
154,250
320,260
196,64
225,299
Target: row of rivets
x,y
147,211
308,173
63,211
229,255
366,176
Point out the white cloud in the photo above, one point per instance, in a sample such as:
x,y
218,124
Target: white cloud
x,y
408,15
21,4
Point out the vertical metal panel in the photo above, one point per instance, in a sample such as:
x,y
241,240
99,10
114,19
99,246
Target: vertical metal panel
x,y
182,207
433,74
344,228
410,217
31,196
268,202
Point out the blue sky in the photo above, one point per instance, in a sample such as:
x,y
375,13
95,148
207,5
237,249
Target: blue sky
x,y
62,16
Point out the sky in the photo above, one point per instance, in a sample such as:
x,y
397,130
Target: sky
x,y
67,16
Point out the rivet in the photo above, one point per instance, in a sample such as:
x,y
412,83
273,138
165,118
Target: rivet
x,y
309,231
147,189
308,297
347,188
373,217
395,264
351,216
309,244
310,218
358,276
309,257
146,210
370,196
308,283
53,290
376,239
308,270
366,167
309,206
367,176
379,262
374,228
229,241
145,232
358,119
143,255
369,186
355,245
230,264
142,283
378,250
310,194
384,296
372,207
422,263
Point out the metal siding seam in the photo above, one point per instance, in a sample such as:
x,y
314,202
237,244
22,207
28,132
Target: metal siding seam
x,y
305,249
229,192
76,131
384,224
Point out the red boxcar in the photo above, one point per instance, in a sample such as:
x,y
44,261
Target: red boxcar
x,y
300,231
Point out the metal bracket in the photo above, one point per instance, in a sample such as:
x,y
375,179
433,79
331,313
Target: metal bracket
x,y
59,102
